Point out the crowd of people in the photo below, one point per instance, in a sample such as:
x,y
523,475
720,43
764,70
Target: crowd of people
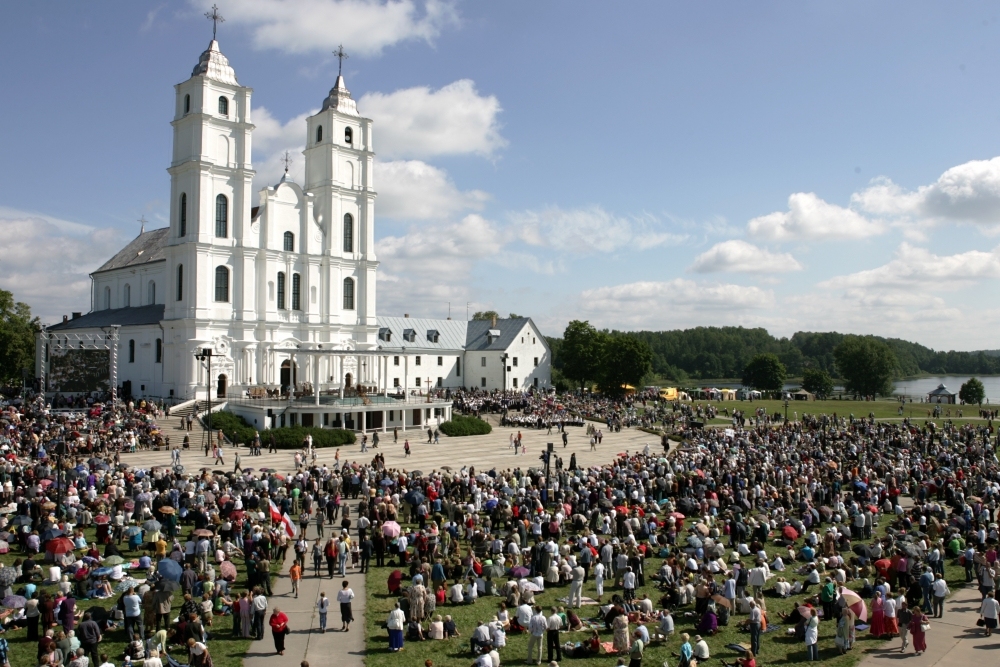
x,y
851,518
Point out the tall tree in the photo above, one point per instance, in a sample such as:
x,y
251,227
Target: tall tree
x,y
867,365
625,360
765,372
17,338
972,392
581,352
486,315
817,381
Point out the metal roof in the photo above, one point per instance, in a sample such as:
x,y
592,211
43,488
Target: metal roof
x,y
145,248
477,336
152,314
451,333
941,391
213,65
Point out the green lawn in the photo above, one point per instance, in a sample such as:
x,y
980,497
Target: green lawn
x,y
776,648
226,650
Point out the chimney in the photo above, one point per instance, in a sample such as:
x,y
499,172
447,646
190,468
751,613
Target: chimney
x,y
65,318
77,315
494,325
406,314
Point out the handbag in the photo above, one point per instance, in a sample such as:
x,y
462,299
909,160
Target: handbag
x,y
925,627
980,623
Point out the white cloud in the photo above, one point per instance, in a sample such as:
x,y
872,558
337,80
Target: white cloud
x,y
271,139
59,286
969,192
809,217
364,27
421,123
671,304
742,257
428,266
918,266
589,230
415,190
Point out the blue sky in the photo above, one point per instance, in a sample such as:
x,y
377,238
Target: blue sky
x,y
651,165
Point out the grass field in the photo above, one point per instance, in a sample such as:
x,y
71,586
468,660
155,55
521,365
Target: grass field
x,y
882,409
776,648
226,650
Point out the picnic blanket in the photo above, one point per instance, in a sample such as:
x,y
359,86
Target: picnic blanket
x,y
585,600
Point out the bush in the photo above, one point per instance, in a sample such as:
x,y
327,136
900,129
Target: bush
x,y
291,437
460,425
236,429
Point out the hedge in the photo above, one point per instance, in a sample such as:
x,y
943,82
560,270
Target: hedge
x,y
236,429
460,425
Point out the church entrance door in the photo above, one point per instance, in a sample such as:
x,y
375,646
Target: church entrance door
x,y
289,373
221,388
348,380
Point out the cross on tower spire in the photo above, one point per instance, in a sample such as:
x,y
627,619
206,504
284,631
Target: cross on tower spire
x,y
142,224
341,55
286,159
216,18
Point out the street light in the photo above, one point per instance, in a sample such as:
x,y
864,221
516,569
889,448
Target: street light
x,y
786,410
206,355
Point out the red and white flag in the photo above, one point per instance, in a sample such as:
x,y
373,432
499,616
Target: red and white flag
x,y
284,519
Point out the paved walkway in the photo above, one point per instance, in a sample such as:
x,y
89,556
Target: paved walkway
x,y
952,640
305,642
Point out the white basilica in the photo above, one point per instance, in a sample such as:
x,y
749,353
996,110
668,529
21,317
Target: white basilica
x,y
280,289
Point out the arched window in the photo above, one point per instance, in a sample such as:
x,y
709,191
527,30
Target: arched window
x,y
348,135
221,216
131,351
289,241
127,301
281,290
221,283
107,298
180,282
159,350
348,232
319,134
348,294
183,215
187,104
151,292
224,106
296,290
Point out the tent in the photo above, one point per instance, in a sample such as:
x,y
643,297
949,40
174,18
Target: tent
x,y
802,395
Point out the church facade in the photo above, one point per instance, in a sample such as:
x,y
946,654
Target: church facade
x,y
280,286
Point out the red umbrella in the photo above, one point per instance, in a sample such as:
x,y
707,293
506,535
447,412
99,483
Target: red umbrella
x,y
102,519
790,533
855,603
59,545
228,570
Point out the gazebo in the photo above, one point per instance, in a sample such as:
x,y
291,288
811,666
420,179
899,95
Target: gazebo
x,y
942,395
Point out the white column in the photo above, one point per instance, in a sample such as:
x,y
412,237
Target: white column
x,y
385,419
316,359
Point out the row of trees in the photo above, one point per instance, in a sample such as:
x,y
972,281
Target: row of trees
x,y
723,352
17,339
611,360
866,363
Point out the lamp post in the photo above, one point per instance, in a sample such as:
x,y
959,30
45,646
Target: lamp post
x,y
60,447
786,410
503,360
206,355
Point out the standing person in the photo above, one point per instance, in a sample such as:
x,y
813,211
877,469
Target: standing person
x,y
133,615
323,605
406,448
537,626
259,609
940,590
554,625
756,617
279,628
918,628
812,636
635,653
295,574
989,611
395,624
344,597
904,616
89,634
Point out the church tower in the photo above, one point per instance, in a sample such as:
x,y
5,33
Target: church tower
x,y
210,193
338,173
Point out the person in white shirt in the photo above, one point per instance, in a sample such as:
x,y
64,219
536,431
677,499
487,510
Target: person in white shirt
x,y
599,580
455,594
701,651
990,611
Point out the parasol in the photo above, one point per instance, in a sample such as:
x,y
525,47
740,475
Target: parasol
x,y
167,509
203,532
790,533
168,585
520,571
102,519
8,575
133,530
152,525
227,570
111,561
14,602
855,604
103,571
390,529
702,528
59,545
125,584
723,601
169,569
21,520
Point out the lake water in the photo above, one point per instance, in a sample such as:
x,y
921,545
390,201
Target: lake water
x,y
915,388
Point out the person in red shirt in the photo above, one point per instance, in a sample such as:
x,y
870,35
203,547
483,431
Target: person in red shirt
x,y
279,628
